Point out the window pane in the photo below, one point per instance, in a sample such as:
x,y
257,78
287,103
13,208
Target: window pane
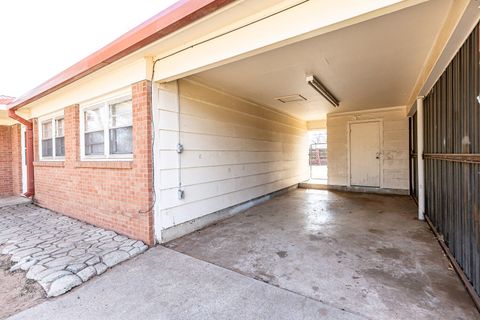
x,y
47,130
121,114
121,141
59,128
47,147
93,120
94,143
60,147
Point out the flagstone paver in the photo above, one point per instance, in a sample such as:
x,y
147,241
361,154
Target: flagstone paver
x,y
59,252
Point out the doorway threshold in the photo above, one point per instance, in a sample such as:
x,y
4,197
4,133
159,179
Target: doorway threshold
x,y
317,181
319,186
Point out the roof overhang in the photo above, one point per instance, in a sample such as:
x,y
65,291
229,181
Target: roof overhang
x,y
292,21
166,22
462,19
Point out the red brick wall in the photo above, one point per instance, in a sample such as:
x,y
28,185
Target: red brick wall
x,y
10,160
16,159
112,195
6,182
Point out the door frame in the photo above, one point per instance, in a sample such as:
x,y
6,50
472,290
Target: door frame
x,y
23,131
349,124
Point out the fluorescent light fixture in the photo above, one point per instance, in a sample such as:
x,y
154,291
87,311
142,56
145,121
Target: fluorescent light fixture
x,y
320,88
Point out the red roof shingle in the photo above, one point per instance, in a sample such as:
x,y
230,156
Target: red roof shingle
x,y
6,99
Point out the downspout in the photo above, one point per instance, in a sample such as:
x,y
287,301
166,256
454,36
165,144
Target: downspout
x,y
29,156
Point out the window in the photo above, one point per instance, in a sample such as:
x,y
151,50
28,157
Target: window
x,y
120,127
52,138
107,129
94,132
47,146
59,138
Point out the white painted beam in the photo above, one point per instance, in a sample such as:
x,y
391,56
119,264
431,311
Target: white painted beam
x,y
462,18
420,161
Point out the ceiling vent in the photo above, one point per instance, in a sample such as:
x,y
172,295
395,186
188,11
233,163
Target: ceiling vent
x,y
291,98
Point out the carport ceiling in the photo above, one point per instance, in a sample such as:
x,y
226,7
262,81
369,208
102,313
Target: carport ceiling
x,y
369,65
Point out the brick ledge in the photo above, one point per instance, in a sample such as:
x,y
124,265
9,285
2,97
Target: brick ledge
x,y
49,163
104,164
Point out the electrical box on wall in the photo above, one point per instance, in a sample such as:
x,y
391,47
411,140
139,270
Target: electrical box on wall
x,y
181,194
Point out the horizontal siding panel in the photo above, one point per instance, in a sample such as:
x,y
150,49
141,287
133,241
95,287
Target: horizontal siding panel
x,y
168,100
198,175
180,214
196,125
168,120
202,93
397,144
199,158
192,141
395,154
396,164
231,116
169,197
396,125
234,151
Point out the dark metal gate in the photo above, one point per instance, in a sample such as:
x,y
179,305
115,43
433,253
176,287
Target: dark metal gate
x,y
452,158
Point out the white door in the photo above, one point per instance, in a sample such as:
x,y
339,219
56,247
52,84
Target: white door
x,y
365,154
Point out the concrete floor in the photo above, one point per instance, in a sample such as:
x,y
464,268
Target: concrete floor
x,y
363,253
165,284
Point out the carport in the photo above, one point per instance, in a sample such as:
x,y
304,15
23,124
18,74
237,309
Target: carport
x,y
233,132
363,253
232,140
229,103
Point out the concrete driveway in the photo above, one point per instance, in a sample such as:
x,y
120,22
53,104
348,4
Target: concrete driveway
x,y
366,253
165,284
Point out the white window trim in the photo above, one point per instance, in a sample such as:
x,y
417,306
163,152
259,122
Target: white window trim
x,y
52,117
92,105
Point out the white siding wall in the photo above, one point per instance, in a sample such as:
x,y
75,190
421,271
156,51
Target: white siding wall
x,y
395,146
234,151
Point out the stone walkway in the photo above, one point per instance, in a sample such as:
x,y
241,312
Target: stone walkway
x,y
13,200
59,252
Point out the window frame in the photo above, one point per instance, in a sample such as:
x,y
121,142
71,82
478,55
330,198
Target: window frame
x,y
55,137
103,103
53,117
